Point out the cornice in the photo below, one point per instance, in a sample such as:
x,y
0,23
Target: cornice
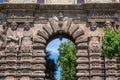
x,y
72,7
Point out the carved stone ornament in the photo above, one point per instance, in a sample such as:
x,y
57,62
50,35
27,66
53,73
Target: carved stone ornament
x,y
94,44
108,24
60,22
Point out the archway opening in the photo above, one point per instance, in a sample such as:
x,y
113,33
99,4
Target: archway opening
x,y
53,53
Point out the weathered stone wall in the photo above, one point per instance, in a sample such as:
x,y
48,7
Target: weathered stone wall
x,y
27,29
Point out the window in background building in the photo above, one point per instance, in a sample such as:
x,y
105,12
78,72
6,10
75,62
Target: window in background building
x,y
40,1
80,1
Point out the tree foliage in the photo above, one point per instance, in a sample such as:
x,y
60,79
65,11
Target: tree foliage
x,y
111,43
51,67
67,60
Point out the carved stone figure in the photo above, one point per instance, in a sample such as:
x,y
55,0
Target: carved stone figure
x,y
94,38
93,25
27,39
108,24
117,26
3,33
12,39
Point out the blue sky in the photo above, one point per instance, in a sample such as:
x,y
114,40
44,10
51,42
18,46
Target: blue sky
x,y
53,48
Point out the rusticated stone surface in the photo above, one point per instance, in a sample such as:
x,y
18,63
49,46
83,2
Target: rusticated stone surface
x,y
26,29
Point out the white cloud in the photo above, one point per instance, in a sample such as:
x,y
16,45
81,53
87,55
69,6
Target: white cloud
x,y
53,50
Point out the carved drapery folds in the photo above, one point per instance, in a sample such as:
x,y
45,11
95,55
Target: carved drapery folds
x,y
27,39
12,39
16,42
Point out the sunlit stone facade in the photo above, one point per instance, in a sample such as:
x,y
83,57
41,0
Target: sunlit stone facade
x,y
26,29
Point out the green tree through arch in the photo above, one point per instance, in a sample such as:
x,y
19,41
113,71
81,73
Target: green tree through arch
x,y
67,60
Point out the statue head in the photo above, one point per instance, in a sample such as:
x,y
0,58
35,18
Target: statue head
x,y
26,26
4,25
93,25
13,26
108,24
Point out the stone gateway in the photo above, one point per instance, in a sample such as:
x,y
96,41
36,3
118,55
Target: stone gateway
x,y
26,29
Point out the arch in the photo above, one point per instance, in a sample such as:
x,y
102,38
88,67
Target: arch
x,y
68,29
47,29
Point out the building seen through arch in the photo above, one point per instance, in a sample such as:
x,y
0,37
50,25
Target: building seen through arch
x,y
26,29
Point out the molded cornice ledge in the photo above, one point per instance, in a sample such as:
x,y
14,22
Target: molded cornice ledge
x,y
74,7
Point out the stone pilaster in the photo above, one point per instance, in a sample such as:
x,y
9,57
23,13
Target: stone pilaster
x,y
3,65
38,64
24,65
82,65
11,65
111,69
95,66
